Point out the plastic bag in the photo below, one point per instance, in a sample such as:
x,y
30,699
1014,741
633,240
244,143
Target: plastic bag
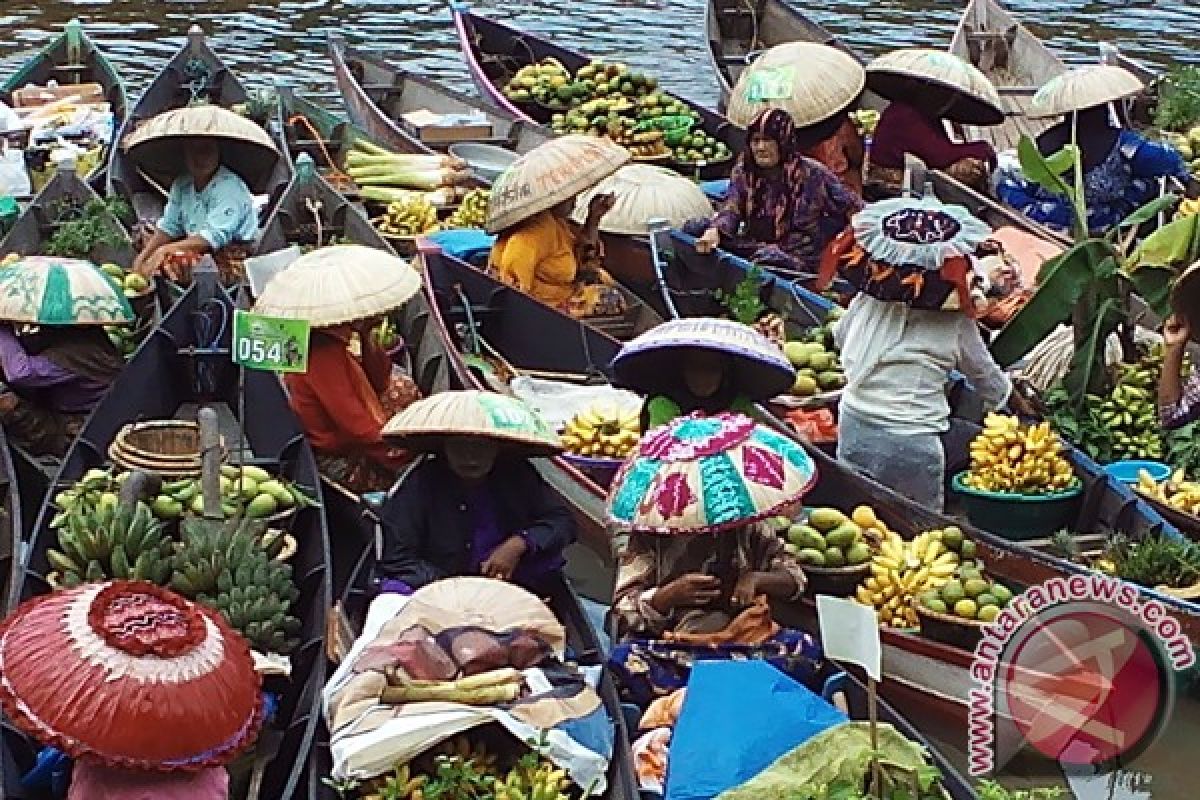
x,y
14,177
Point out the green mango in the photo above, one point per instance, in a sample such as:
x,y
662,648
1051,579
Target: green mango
x,y
843,536
262,506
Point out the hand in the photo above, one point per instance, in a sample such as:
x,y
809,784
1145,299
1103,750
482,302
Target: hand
x,y
1176,331
601,204
688,591
746,590
1019,404
502,563
708,241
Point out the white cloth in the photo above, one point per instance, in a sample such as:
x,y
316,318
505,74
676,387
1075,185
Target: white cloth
x,y
897,361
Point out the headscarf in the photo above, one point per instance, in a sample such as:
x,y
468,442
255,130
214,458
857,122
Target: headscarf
x,y
1093,132
775,124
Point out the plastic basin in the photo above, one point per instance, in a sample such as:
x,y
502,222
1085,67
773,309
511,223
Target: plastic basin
x,y
1127,471
1018,517
599,468
486,160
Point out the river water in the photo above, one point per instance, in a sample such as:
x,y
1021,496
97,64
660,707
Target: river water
x,y
285,42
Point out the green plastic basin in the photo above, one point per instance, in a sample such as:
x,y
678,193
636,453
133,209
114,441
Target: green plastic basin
x,y
1018,517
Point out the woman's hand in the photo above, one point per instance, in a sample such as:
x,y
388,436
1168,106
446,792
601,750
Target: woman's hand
x,y
708,241
746,590
503,561
1176,331
600,205
687,591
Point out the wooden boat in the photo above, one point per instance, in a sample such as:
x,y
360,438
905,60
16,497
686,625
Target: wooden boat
x,y
494,51
1015,60
73,58
583,648
183,365
378,95
194,73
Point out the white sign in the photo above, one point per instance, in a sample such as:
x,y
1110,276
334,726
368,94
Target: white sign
x,y
850,633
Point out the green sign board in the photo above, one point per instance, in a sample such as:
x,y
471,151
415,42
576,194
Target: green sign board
x,y
770,83
270,343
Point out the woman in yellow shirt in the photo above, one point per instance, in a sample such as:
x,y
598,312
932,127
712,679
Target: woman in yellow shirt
x,y
551,258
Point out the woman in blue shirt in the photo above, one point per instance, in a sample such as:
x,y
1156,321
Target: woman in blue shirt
x,y
209,208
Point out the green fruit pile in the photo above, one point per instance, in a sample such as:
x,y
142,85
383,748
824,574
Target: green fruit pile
x,y
1188,145
698,147
970,594
817,369
227,565
546,82
131,283
472,212
828,538
106,542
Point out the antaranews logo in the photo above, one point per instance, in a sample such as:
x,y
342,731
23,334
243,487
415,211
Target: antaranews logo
x,y
1077,667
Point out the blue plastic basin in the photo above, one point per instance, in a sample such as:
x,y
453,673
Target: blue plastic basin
x,y
1127,471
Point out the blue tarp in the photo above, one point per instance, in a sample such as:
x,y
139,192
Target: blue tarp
x,y
463,243
715,190
737,719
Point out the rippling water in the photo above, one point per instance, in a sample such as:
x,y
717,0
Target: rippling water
x,y
663,36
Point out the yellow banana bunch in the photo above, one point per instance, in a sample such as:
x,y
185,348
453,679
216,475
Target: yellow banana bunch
x,y
1007,456
1188,208
607,432
902,570
1177,492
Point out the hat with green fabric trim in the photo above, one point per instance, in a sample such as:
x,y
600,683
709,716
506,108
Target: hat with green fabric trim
x,y
510,422
700,474
44,290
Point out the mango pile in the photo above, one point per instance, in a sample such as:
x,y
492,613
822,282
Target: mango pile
x,y
827,538
131,283
970,594
1010,457
901,571
1177,492
602,432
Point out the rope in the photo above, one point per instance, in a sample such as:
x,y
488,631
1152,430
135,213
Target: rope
x,y
314,207
335,176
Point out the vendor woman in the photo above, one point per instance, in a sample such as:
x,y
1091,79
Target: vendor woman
x,y
701,364
210,207
538,249
342,398
782,208
1179,395
474,505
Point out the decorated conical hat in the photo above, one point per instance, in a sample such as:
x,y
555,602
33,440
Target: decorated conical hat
x,y
550,174
913,76
340,283
812,82
650,363
127,674
644,192
45,290
154,146
1084,87
493,605
426,423
918,231
701,474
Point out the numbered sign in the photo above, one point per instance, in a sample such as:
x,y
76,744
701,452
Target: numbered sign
x,y
771,83
270,343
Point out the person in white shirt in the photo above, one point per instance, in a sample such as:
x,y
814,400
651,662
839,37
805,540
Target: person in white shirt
x,y
897,361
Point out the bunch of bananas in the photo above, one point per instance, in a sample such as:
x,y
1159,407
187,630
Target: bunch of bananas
x,y
1177,492
105,541
468,751
606,432
1188,208
645,144
1130,415
901,571
1007,456
410,217
545,782
472,212
402,784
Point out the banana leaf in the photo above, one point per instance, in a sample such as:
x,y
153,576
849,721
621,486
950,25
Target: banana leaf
x,y
1149,211
1173,245
1088,372
1049,172
1061,283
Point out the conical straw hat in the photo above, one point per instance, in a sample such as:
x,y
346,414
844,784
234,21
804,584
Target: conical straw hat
x,y
812,82
1084,87
154,146
45,290
907,76
650,363
700,474
425,424
549,174
644,192
338,284
129,675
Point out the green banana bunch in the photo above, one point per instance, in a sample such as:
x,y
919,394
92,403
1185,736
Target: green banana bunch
x,y
107,541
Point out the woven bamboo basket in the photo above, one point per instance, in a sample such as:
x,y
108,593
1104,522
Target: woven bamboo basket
x,y
166,447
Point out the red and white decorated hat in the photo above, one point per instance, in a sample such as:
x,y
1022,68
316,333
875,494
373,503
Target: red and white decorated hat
x,y
129,675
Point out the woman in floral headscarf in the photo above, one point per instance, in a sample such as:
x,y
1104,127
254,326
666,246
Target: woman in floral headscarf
x,y
782,208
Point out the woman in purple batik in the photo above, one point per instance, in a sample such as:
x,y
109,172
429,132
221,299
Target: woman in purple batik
x,y
52,378
471,510
782,208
